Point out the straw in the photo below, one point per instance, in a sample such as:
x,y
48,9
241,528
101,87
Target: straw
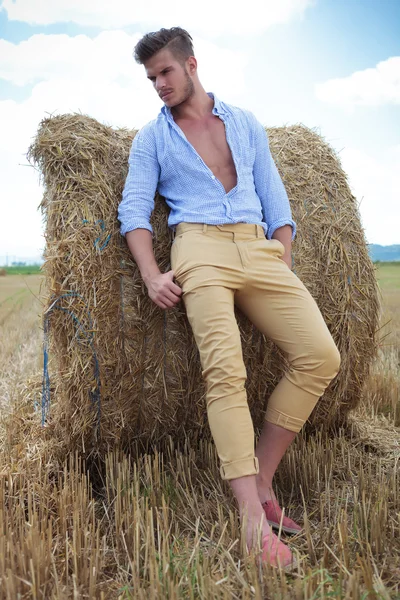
x,y
149,373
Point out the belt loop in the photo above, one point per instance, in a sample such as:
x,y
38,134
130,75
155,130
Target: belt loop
x,y
257,231
204,227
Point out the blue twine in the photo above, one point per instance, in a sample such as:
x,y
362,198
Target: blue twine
x,y
96,242
88,336
46,379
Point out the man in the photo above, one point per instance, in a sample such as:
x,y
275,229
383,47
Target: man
x,y
233,232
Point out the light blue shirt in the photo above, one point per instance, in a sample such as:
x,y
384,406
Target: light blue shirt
x,y
162,158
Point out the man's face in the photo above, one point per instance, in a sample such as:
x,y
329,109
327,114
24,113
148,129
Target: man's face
x,y
169,78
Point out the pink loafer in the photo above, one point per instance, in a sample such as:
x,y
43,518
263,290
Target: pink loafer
x,y
273,512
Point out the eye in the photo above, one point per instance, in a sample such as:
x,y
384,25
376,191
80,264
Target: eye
x,y
167,70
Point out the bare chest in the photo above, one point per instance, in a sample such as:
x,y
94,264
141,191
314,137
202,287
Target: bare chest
x,y
208,138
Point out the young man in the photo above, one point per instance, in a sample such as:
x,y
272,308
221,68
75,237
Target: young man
x,y
233,231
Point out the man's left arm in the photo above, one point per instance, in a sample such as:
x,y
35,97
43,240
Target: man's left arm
x,y
271,191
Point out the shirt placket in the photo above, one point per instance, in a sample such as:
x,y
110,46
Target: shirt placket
x,y
226,202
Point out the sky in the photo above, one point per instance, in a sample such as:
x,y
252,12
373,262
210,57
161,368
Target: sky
x,y
332,65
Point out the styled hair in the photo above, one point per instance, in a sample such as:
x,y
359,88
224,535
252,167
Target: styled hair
x,y
176,39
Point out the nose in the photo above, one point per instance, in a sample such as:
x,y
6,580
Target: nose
x,y
160,84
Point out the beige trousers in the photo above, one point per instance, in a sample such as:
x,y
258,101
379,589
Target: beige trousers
x,y
217,267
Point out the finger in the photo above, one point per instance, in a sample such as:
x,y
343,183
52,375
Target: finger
x,y
168,295
159,301
174,288
173,285
167,301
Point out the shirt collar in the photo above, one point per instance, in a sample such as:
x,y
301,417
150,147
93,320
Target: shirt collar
x,y
217,109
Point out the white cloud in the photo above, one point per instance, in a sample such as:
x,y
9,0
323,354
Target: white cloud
x,y
371,87
97,77
375,182
211,17
104,59
108,56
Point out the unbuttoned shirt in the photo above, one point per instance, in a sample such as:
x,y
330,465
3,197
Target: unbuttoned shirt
x,y
161,157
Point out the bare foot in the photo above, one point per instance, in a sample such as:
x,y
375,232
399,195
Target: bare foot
x,y
255,517
274,551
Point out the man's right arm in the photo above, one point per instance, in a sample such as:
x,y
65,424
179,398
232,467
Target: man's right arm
x,y
137,204
134,212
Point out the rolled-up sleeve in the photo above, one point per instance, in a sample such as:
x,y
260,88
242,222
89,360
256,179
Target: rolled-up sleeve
x,y
268,183
137,204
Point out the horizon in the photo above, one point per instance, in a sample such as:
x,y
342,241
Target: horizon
x,y
7,260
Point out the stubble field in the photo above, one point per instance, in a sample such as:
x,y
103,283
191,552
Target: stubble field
x,y
162,523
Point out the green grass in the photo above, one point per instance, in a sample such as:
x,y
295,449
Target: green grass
x,y
388,275
26,270
17,292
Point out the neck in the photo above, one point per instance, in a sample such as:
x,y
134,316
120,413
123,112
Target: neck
x,y
194,108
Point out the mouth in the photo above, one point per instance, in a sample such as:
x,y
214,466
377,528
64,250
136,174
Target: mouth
x,y
165,95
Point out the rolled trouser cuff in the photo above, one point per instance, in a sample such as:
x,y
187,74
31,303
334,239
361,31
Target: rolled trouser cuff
x,y
286,421
240,468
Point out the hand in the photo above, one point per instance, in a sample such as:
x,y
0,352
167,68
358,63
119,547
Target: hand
x,y
284,236
163,291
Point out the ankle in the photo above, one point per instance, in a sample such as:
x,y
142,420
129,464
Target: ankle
x,y
264,488
252,510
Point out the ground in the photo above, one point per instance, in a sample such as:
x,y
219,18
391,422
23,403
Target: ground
x,y
164,525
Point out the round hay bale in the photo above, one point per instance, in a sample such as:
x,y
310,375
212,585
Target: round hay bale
x,y
123,368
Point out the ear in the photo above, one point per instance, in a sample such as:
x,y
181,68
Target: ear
x,y
191,65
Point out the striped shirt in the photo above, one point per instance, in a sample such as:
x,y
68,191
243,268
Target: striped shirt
x,y
162,158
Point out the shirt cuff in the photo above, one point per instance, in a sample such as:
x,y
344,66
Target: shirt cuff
x,y
277,224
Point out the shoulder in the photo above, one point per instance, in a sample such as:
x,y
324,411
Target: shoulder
x,y
146,134
242,113
249,126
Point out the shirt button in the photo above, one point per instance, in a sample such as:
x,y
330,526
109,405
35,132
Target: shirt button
x,y
213,177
